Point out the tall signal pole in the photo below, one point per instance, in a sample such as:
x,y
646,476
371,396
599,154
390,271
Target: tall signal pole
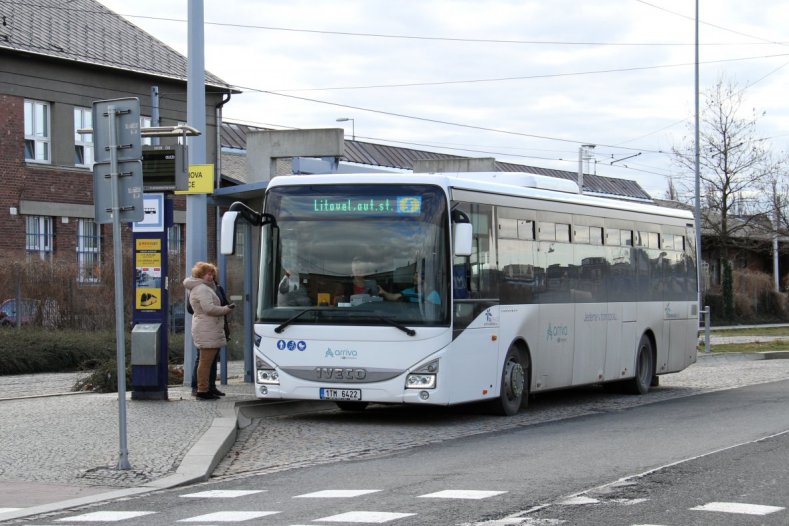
x,y
196,204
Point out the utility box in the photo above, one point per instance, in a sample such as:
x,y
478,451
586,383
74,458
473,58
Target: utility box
x,y
145,344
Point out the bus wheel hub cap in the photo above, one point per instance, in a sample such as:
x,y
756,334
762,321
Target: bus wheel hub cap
x,y
513,380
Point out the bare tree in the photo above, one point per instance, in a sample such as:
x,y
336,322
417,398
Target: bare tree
x,y
736,172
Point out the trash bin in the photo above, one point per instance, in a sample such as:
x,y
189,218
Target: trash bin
x,y
145,344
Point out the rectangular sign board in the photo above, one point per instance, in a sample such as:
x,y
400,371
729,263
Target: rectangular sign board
x,y
201,179
127,124
164,168
153,206
130,192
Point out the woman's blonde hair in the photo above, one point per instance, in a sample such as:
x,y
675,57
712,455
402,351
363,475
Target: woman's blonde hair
x,y
202,268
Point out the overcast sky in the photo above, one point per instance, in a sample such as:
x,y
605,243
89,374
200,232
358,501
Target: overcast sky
x,y
523,81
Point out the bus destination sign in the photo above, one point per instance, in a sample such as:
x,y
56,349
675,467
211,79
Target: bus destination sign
x,y
408,205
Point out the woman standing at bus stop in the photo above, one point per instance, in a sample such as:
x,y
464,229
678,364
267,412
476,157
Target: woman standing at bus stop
x,y
208,331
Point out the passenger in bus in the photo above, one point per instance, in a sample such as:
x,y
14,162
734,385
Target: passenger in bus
x,y
290,292
413,294
360,284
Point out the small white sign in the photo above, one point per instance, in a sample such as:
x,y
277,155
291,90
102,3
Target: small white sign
x,y
153,220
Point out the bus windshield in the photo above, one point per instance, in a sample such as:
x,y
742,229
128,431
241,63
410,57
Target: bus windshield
x,y
356,254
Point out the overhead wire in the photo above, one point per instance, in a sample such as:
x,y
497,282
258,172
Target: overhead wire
x,y
418,37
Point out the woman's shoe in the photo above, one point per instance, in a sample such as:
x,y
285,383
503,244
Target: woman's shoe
x,y
206,396
216,392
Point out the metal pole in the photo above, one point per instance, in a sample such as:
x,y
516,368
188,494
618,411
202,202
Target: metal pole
x,y
249,358
120,342
707,329
196,204
155,111
776,216
697,147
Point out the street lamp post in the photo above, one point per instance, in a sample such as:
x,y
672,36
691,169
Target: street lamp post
x,y
353,126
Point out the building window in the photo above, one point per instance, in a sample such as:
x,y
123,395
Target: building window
x,y
36,131
39,235
174,240
83,142
89,251
145,122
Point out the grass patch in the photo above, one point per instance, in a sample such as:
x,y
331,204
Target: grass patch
x,y
33,350
749,331
778,345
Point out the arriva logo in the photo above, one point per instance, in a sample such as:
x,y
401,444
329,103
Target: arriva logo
x,y
560,332
343,354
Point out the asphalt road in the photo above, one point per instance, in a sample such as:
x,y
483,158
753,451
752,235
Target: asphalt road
x,y
706,448
742,485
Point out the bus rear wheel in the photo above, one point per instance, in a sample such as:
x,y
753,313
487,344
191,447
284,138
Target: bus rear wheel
x,y
514,385
645,368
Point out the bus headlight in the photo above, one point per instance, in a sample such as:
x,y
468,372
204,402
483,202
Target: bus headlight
x,y
265,372
420,381
423,377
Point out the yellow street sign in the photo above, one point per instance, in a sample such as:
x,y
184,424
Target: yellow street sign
x,y
201,179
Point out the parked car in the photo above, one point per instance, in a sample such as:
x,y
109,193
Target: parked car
x,y
177,317
9,312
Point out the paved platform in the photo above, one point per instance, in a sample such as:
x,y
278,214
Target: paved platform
x,y
60,448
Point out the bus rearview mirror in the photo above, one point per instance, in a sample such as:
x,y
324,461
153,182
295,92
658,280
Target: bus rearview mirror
x,y
228,239
462,239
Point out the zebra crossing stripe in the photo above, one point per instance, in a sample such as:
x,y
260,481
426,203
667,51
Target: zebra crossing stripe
x,y
106,516
737,507
370,517
229,516
336,493
222,494
461,494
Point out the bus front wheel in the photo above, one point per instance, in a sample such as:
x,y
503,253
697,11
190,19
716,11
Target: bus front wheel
x,y
514,391
645,367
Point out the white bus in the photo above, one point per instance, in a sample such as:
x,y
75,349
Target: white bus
x,y
452,288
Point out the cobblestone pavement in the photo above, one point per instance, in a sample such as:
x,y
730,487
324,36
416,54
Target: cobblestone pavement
x,y
280,443
74,439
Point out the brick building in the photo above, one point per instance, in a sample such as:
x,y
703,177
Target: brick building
x,y
56,59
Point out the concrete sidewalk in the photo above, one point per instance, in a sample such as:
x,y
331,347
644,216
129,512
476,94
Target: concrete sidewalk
x,y
60,449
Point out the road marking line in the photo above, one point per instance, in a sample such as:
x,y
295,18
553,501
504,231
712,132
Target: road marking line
x,y
738,507
336,493
106,516
374,517
230,516
5,510
222,493
461,494
577,501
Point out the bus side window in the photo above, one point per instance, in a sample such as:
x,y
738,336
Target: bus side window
x,y
482,260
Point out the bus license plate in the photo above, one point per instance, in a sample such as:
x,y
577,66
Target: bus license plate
x,y
353,395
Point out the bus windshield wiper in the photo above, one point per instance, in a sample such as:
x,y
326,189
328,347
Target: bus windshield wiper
x,y
408,331
281,327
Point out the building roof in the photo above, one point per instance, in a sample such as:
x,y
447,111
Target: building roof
x,y
234,137
87,32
